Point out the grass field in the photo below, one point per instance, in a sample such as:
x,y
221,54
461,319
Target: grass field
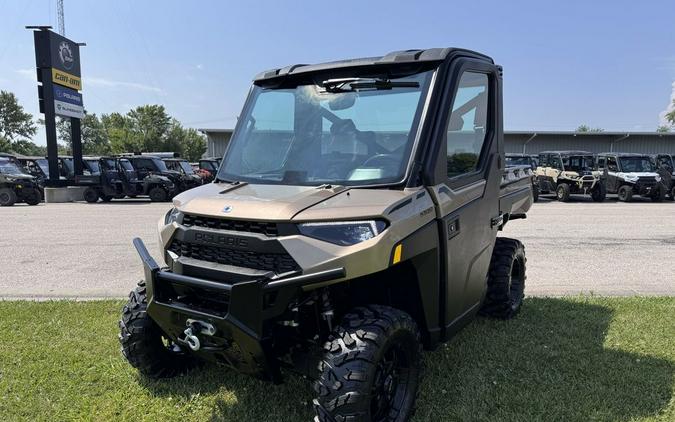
x,y
575,359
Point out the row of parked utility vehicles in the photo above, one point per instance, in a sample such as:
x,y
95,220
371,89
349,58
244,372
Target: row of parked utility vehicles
x,y
566,173
159,176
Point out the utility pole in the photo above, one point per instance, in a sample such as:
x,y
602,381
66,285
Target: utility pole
x,y
59,14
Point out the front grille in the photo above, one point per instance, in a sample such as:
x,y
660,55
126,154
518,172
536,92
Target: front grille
x,y
268,229
277,262
647,180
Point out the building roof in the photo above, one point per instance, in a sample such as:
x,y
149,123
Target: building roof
x,y
573,133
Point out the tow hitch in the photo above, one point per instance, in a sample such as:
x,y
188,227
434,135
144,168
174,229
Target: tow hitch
x,y
197,327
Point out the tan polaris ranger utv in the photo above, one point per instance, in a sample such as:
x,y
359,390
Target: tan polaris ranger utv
x,y
566,173
354,220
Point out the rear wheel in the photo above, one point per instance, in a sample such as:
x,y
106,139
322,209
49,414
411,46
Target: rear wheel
x,y
659,195
371,367
33,197
90,195
157,194
625,193
143,343
599,193
506,279
672,193
562,192
535,193
106,198
7,197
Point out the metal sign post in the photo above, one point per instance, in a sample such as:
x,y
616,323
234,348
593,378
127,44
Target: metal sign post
x,y
58,68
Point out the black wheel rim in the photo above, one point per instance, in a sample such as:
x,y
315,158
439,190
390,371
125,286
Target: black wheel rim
x,y
4,198
517,286
392,377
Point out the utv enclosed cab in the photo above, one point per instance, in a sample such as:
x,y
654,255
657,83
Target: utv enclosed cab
x,y
566,173
16,185
209,167
150,165
36,166
159,188
629,174
189,179
354,218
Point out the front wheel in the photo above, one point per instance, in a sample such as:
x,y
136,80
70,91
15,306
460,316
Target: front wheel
x,y
90,195
33,197
625,193
371,367
659,195
157,194
7,197
143,343
506,279
562,192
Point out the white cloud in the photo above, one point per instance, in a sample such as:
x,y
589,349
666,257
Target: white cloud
x,y
200,66
109,83
669,108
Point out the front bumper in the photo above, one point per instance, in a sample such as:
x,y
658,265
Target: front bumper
x,y
239,311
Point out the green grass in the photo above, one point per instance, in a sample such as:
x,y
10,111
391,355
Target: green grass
x,y
579,359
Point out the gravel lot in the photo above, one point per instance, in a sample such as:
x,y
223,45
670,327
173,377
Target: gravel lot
x,y
84,250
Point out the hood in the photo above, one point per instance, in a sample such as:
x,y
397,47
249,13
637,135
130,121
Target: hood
x,y
26,177
252,202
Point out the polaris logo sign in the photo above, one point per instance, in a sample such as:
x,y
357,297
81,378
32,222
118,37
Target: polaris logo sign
x,y
68,102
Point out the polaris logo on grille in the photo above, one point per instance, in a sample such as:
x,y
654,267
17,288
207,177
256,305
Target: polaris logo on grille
x,y
222,240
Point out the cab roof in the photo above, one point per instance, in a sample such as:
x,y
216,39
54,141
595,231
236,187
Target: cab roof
x,y
567,152
623,154
394,58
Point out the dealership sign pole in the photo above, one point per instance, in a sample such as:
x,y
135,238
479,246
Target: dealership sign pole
x,y
58,69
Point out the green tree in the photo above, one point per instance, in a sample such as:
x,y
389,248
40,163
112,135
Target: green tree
x,y
194,145
587,129
95,139
15,123
663,129
670,116
120,134
26,147
150,123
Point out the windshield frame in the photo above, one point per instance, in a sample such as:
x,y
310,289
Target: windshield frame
x,y
570,167
427,91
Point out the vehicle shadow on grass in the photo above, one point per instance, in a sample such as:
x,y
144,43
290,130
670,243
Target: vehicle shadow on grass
x,y
550,363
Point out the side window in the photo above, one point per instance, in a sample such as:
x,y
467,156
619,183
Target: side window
x,y
601,163
467,124
143,164
611,164
555,162
543,160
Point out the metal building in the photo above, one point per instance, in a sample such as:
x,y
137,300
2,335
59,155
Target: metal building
x,y
530,142
216,141
640,142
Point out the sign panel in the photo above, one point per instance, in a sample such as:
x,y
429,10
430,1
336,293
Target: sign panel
x,y
67,95
66,79
64,109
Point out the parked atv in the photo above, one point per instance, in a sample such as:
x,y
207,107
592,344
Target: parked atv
x,y
339,247
513,160
16,185
108,183
149,165
210,166
189,179
38,167
567,173
630,174
158,188
666,170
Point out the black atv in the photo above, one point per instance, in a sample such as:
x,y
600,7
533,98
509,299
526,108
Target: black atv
x,y
16,185
149,165
159,188
189,179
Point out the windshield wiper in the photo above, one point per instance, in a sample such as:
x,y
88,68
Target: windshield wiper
x,y
340,85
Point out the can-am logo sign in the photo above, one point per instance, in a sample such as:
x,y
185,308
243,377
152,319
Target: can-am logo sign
x,y
66,55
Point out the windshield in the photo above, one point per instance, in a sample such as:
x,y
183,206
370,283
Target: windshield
x,y
207,165
43,164
187,168
68,163
159,164
10,167
126,165
578,163
94,166
108,164
518,161
637,165
350,133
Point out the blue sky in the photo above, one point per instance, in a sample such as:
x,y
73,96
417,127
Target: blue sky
x,y
609,64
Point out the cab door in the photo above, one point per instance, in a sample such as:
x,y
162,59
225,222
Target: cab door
x,y
468,197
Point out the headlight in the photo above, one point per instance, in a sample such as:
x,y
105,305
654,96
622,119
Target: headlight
x,y
631,177
343,233
171,216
